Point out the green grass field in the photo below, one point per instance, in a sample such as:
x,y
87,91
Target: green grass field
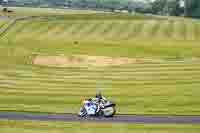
x,y
61,127
166,85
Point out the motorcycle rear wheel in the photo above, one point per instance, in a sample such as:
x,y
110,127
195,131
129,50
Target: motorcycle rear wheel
x,y
109,111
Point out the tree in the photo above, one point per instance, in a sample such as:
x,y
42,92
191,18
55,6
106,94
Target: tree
x,y
158,6
192,8
175,8
167,7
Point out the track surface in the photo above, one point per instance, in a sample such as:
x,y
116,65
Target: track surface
x,y
4,18
116,119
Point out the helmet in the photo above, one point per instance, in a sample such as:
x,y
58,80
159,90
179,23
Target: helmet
x,y
98,95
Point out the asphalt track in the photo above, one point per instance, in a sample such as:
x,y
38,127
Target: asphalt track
x,y
116,119
4,18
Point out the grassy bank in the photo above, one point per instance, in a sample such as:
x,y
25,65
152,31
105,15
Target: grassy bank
x,y
61,127
167,84
27,11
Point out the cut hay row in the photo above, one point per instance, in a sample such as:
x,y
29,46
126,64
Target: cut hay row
x,y
168,64
168,29
112,30
108,81
190,33
94,87
136,68
148,27
137,30
106,74
2,23
114,72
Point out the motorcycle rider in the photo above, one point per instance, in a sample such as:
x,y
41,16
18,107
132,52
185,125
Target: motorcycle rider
x,y
90,109
99,97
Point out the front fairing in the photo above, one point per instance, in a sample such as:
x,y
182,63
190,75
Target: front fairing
x,y
90,107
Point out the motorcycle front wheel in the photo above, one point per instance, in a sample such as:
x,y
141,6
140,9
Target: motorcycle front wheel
x,y
82,112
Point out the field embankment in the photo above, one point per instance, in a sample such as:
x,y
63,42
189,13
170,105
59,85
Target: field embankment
x,y
77,127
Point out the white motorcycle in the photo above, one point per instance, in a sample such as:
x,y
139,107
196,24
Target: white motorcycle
x,y
99,107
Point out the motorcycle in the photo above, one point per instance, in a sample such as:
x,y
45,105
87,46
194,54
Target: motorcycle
x,y
97,107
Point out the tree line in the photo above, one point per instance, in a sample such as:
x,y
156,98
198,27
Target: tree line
x,y
189,8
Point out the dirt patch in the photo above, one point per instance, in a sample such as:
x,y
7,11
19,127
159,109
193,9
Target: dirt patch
x,y
83,60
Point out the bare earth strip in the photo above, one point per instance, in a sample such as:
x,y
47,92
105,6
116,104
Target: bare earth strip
x,y
82,60
116,119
